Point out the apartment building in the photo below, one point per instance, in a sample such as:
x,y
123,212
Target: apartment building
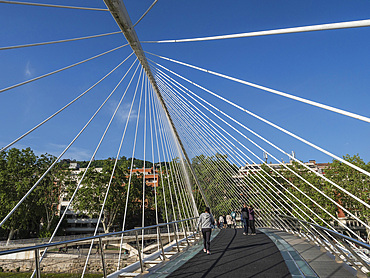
x,y
77,221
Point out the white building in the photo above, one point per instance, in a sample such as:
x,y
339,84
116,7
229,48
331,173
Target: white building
x,y
77,221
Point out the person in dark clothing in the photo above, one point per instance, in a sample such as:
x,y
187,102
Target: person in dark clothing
x,y
245,218
251,220
206,221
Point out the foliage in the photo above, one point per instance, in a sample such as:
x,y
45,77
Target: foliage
x,y
214,174
172,193
297,183
17,175
138,163
49,191
38,214
354,182
91,195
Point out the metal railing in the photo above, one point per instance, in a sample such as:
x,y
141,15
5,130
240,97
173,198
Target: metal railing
x,y
345,249
185,227
35,241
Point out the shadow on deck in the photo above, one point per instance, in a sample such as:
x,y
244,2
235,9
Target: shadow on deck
x,y
270,253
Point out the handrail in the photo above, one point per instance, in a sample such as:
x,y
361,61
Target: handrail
x,y
363,244
35,247
339,245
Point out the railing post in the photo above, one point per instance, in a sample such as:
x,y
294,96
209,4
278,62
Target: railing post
x,y
322,239
349,248
37,263
139,252
161,243
334,246
315,239
291,224
177,241
102,258
186,235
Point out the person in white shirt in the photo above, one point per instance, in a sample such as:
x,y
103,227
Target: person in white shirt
x,y
229,220
221,221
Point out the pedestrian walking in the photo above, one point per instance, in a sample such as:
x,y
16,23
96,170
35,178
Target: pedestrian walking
x,y
229,220
225,222
245,218
233,217
205,222
221,221
251,219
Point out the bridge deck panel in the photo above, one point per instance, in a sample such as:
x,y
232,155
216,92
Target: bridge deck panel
x,y
236,255
321,262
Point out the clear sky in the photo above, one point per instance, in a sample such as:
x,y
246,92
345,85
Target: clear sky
x,y
331,67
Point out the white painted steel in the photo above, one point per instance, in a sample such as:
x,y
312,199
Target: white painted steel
x,y
346,210
64,107
283,130
300,99
59,70
118,153
58,41
56,160
52,6
151,6
120,15
310,28
218,129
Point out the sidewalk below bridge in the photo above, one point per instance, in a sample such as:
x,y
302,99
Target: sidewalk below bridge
x,y
269,253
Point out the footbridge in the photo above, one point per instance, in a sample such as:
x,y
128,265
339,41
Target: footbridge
x,y
130,129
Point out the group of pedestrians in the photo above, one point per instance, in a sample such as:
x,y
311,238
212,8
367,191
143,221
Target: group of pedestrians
x,y
247,216
227,221
206,222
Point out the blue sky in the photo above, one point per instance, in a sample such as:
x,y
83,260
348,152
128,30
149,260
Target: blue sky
x,y
331,67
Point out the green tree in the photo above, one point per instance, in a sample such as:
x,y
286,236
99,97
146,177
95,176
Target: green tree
x,y
48,192
354,182
215,173
91,195
17,175
176,207
314,202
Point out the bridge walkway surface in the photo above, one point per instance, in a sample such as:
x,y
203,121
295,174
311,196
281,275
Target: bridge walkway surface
x,y
269,253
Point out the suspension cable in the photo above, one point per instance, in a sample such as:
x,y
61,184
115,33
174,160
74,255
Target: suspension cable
x,y
320,27
63,152
316,189
52,6
58,41
300,99
64,107
84,174
287,132
129,180
61,69
117,156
